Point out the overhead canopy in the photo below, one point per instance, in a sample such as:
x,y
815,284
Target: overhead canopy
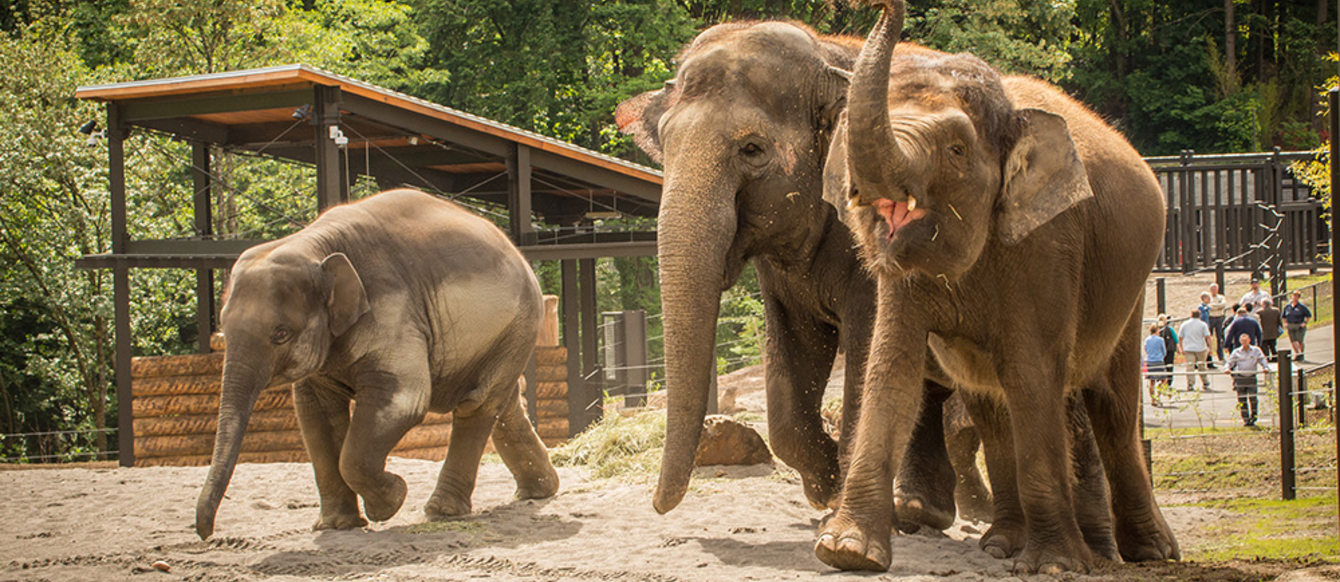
x,y
289,111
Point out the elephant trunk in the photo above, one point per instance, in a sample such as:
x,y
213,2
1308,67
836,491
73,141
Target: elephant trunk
x,y
242,384
876,160
697,225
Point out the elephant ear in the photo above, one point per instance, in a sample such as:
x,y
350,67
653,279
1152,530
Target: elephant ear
x,y
1043,176
346,300
837,179
640,117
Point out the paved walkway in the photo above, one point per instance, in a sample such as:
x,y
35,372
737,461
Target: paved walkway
x,y
1219,407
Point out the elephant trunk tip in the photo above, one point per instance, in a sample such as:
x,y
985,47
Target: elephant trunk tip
x,y
204,526
666,500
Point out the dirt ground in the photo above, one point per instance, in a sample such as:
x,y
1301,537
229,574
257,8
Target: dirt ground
x,y
101,522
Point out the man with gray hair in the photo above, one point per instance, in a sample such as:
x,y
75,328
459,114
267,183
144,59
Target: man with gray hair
x,y
1270,327
1195,346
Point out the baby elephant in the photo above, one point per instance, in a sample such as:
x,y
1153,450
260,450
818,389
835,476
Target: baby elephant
x,y
402,303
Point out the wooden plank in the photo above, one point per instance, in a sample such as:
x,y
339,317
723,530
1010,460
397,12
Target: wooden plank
x,y
203,444
551,373
551,391
189,365
423,436
549,324
551,355
176,385
269,399
552,408
552,427
261,421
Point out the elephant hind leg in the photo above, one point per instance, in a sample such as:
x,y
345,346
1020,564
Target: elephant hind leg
x,y
971,496
1093,502
1114,405
523,452
923,493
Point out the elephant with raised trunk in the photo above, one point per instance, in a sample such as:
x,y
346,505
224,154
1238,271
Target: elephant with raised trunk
x,y
401,303
1011,231
742,132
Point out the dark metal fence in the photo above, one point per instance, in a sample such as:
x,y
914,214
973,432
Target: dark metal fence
x,y
1245,209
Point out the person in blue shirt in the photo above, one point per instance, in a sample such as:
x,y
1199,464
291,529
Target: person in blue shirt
x,y
1296,315
1244,324
1203,310
1155,351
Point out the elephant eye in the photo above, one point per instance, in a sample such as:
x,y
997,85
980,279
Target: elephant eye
x,y
956,149
751,149
281,335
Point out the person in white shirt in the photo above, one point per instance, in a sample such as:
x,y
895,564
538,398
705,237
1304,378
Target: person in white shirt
x,y
1243,364
1195,346
1256,296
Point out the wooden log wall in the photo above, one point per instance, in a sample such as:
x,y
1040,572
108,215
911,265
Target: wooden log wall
x,y
176,407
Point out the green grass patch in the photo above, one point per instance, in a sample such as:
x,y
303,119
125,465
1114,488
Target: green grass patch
x,y
617,446
1271,529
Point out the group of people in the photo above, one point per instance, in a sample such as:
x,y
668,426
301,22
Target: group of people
x,y
1248,330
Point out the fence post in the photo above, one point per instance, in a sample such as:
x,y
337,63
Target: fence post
x,y
1161,294
1286,426
1219,276
1300,388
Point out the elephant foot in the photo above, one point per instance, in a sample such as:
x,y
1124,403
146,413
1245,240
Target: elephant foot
x,y
1054,557
1004,539
1147,540
1100,538
539,487
973,504
846,544
339,521
914,511
821,492
446,506
381,507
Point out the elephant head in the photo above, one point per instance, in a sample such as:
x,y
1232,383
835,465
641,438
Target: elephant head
x,y
935,163
282,314
742,133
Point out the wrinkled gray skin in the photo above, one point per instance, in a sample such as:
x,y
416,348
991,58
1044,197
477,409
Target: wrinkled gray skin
x,y
742,133
403,304
1021,264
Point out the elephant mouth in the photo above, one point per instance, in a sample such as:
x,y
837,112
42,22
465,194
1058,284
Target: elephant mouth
x,y
898,214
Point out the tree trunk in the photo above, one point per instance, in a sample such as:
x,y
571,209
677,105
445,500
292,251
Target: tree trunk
x,y
1230,48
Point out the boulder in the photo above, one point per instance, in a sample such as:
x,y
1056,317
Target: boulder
x,y
726,441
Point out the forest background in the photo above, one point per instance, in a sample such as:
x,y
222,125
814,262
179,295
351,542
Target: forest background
x,y
1207,75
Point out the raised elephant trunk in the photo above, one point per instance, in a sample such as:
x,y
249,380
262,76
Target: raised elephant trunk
x,y
875,160
697,225
242,384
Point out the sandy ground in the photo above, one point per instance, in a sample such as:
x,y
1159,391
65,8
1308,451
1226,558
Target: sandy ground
x,y
751,523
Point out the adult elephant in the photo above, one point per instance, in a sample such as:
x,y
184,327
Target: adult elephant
x,y
1011,231
375,304
742,132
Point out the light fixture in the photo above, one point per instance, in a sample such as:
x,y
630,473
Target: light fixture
x,y
302,112
89,128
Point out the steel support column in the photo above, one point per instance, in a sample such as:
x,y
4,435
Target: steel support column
x,y
519,203
116,178
204,278
590,354
331,186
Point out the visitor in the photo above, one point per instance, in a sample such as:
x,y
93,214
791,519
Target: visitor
x,y
1218,303
1195,346
1255,296
1269,317
1155,350
1244,324
1296,315
1243,364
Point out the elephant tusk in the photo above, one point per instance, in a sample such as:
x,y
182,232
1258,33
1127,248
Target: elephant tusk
x,y
911,203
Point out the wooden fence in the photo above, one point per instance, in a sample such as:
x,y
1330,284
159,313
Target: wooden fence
x,y
176,407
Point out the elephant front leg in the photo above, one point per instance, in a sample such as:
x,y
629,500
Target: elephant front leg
x,y
387,405
799,356
857,536
1038,422
323,416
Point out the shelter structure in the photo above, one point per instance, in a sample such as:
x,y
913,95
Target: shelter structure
x,y
345,129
